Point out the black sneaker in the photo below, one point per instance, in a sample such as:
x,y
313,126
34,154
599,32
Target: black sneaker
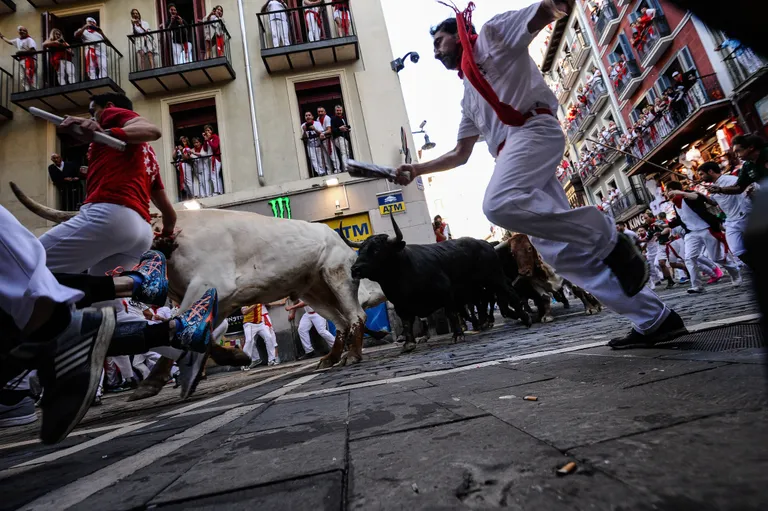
x,y
306,356
671,328
628,264
70,374
670,284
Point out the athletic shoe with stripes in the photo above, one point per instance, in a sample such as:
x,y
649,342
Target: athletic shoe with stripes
x,y
70,374
152,268
196,332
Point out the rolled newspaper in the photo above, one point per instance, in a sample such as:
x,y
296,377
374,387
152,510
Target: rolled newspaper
x,y
101,138
361,169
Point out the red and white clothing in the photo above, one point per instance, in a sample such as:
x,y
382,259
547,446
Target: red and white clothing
x,y
343,19
307,321
30,62
736,209
524,194
257,323
95,54
278,23
186,177
330,158
61,61
214,34
201,163
315,148
313,19
213,144
442,233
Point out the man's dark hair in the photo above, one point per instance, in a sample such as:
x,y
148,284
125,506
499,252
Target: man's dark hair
x,y
662,215
119,100
170,5
449,26
622,224
751,141
674,185
710,166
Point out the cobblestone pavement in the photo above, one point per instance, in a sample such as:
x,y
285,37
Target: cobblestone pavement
x,y
679,427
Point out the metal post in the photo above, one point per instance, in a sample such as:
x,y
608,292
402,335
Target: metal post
x,y
251,101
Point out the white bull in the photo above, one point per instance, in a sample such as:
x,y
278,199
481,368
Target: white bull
x,y
251,258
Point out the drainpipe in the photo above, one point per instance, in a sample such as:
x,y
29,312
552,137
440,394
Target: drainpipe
x,y
249,80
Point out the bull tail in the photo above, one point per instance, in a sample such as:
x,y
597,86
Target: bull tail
x,y
53,215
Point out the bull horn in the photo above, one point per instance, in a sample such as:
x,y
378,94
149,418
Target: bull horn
x,y
398,233
54,215
350,244
502,246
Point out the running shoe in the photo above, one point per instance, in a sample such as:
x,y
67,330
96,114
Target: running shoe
x,y
152,270
196,324
274,362
669,329
17,414
191,367
696,290
256,363
628,264
737,281
70,374
716,277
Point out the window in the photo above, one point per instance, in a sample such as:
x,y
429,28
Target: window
x,y
197,156
69,176
326,154
612,184
75,66
189,10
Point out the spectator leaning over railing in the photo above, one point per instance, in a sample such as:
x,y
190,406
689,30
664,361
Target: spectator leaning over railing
x,y
342,17
330,158
96,51
25,50
213,143
201,162
182,49
340,130
314,19
310,133
146,44
60,57
214,32
278,22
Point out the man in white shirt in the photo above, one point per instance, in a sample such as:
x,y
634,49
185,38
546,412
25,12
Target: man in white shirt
x,y
326,139
308,320
25,50
310,133
735,207
507,101
703,234
96,51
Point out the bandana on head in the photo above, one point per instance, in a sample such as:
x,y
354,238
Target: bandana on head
x,y
468,67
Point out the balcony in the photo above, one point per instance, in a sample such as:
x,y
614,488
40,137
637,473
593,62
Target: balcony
x,y
629,203
703,104
180,58
607,22
7,7
596,95
579,49
5,92
626,78
307,37
569,178
82,71
652,40
568,72
562,94
743,64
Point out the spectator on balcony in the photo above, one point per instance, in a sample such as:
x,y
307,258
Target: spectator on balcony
x,y
735,50
213,144
330,159
278,22
214,32
180,36
146,45
340,129
26,49
314,19
310,133
96,49
183,158
201,162
60,57
342,18
681,85
65,175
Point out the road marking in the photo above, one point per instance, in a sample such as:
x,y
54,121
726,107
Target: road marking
x,y
79,432
723,322
214,399
201,411
287,387
76,492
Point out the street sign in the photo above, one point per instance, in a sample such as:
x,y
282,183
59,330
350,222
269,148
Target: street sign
x,y
391,202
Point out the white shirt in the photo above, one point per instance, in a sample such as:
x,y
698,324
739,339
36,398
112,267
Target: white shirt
x,y
326,122
501,53
91,36
691,220
313,138
632,234
274,5
308,309
24,44
735,207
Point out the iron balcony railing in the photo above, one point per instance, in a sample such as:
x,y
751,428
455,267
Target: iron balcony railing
x,y
308,24
6,79
705,90
169,47
198,176
622,72
605,14
596,91
635,196
741,61
644,40
600,157
55,67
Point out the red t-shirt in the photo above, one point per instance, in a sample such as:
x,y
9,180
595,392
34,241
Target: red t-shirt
x,y
123,178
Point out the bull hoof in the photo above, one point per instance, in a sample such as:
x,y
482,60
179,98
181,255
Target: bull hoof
x,y
593,310
547,319
409,347
422,340
457,338
146,389
327,362
526,319
349,358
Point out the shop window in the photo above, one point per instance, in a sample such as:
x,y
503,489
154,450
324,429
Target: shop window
x,y
326,147
197,159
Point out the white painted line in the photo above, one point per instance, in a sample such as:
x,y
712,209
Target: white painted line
x,y
74,433
289,387
201,411
214,399
76,492
723,322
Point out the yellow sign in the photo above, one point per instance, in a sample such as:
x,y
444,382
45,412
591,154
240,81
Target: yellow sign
x,y
391,202
356,227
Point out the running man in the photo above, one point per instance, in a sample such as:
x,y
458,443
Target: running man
x,y
256,323
507,101
308,320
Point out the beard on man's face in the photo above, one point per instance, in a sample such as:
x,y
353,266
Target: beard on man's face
x,y
449,60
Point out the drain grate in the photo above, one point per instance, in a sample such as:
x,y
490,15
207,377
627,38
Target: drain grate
x,y
734,337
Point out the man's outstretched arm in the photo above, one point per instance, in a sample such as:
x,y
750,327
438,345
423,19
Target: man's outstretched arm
x,y
549,11
457,157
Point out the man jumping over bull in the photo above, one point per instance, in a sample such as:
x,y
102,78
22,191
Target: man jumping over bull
x,y
507,101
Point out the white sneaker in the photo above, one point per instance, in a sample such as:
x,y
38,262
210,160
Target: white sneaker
x,y
737,281
274,362
696,290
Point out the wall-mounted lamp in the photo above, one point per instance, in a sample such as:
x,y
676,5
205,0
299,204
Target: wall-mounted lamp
x,y
428,144
398,65
333,181
192,204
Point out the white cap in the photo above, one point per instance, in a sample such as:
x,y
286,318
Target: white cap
x,y
91,20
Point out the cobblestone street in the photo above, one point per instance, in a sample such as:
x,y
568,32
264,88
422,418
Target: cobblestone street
x,y
680,426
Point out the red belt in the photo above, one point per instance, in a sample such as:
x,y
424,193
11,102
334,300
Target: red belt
x,y
526,116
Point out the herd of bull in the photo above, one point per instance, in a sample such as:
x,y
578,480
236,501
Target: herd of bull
x,y
466,277
251,258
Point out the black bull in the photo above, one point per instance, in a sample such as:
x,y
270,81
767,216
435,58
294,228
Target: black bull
x,y
420,279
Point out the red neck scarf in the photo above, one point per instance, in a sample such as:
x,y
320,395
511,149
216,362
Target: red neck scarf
x,y
677,200
468,67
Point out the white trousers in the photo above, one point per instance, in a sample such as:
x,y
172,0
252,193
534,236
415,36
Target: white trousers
x,y
734,234
181,54
321,325
252,330
699,243
330,158
192,187
651,253
216,180
143,364
23,273
66,72
342,144
123,364
316,159
525,196
97,62
312,17
281,30
203,173
675,246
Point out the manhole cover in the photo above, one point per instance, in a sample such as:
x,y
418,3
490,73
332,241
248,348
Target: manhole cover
x,y
726,338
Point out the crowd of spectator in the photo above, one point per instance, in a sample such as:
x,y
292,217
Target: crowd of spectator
x,y
199,165
281,22
586,95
